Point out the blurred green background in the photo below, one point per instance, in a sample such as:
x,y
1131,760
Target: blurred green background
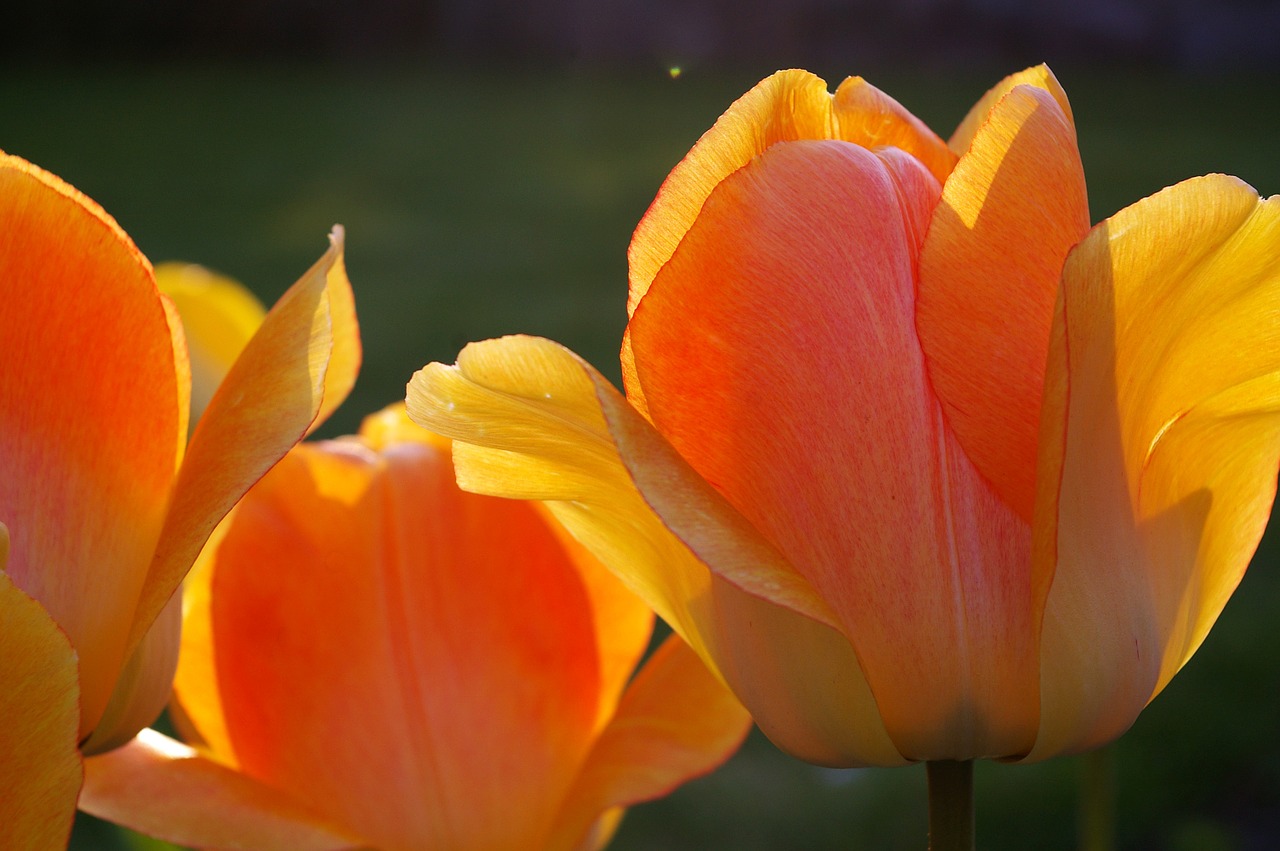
x,y
481,202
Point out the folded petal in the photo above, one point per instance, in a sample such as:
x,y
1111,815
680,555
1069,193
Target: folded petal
x,y
777,352
1039,76
90,350
302,357
1161,428
169,791
1010,211
218,318
676,722
535,422
39,702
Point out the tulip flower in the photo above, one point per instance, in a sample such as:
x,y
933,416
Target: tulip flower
x,y
105,504
373,658
923,465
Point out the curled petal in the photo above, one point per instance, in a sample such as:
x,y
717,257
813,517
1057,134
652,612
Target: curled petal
x,y
1160,445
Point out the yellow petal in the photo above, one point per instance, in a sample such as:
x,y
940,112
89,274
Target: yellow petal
x,y
676,722
92,415
167,790
1039,76
39,701
1161,427
218,317
297,366
535,416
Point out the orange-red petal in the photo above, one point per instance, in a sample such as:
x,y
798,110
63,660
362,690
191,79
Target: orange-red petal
x,y
777,352
1038,76
1010,211
39,702
92,415
169,791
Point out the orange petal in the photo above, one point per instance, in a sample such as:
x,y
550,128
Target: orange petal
x,y
542,424
165,789
287,376
409,623
989,272
785,107
778,354
1163,432
92,415
218,317
39,701
1038,76
676,722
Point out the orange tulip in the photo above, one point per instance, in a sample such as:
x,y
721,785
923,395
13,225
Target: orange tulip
x,y
925,467
104,504
372,657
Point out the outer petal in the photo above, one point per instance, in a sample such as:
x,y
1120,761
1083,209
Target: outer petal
x,y
1012,208
167,790
89,351
777,351
676,722
411,703
296,368
218,317
1038,76
1161,427
39,702
785,107
544,425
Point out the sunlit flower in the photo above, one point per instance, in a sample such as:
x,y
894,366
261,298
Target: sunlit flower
x,y
372,657
104,504
922,464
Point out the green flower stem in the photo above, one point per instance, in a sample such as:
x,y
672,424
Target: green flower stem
x,y
1097,813
950,805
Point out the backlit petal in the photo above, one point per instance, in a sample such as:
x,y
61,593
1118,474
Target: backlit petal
x,y
218,318
92,415
1162,407
544,425
1039,76
1011,210
676,722
169,791
777,351
39,702
404,689
270,398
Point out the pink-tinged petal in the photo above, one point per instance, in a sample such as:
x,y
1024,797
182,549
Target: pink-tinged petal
x,y
676,722
39,701
778,354
1038,76
218,318
405,689
1011,210
92,415
542,424
295,368
167,790
1160,445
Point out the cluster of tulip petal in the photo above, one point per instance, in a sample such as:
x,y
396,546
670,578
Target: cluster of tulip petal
x,y
916,463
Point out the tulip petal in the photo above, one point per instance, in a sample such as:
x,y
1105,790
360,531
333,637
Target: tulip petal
x,y
90,350
676,722
218,318
778,353
1011,210
545,425
1161,427
297,367
40,705
1039,76
447,726
785,107
167,790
